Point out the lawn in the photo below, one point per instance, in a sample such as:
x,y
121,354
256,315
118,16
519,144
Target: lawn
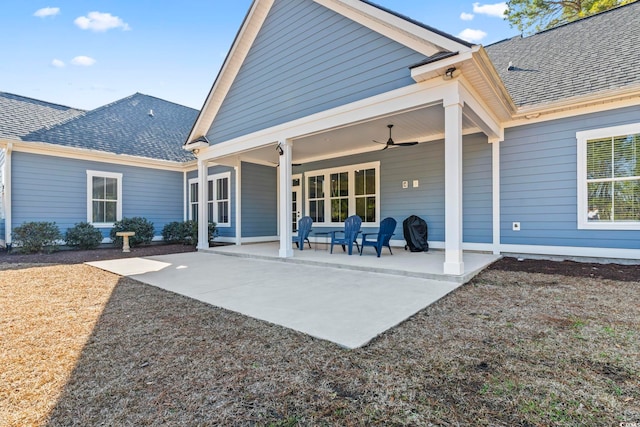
x,y
80,346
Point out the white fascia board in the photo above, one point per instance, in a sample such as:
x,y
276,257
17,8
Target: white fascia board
x,y
47,149
399,100
400,30
593,103
234,60
435,69
479,113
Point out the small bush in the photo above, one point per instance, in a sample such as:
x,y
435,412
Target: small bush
x,y
184,232
83,236
141,226
32,237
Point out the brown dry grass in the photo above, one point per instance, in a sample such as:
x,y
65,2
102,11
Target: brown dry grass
x,y
508,349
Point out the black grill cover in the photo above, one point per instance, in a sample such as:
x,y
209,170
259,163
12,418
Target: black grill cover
x,y
415,233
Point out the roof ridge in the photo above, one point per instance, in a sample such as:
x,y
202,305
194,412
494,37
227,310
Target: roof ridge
x,y
165,100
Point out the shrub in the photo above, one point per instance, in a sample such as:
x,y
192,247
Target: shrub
x,y
83,236
32,237
184,232
141,226
173,232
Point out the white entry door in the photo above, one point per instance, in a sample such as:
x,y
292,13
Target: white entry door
x,y
296,201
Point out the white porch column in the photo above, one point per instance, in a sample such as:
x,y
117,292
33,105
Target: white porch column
x,y
453,263
203,217
238,170
7,195
286,232
495,170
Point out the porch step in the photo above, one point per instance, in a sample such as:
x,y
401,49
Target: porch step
x,y
319,263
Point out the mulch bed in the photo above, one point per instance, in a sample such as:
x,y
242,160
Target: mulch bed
x,y
78,257
612,271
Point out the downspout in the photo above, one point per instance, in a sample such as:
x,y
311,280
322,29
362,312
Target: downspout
x,y
7,195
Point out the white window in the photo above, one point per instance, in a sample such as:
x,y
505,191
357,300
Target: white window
x,y
218,199
337,193
104,198
609,178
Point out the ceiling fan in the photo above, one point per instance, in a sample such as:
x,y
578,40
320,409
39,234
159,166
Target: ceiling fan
x,y
391,143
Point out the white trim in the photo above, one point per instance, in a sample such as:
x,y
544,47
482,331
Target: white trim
x,y
286,243
189,198
211,178
437,68
581,138
47,149
495,182
351,168
573,251
7,194
229,70
404,99
185,191
602,101
101,174
203,223
238,202
247,240
214,178
398,29
453,177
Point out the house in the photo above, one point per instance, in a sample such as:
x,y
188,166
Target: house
x,y
520,143
66,165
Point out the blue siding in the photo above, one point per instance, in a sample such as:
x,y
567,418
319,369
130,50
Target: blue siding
x,y
425,163
259,200
539,185
54,189
308,59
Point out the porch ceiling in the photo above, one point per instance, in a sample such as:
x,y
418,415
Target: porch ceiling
x,y
422,124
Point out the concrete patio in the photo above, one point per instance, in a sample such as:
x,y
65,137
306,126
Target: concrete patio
x,y
348,302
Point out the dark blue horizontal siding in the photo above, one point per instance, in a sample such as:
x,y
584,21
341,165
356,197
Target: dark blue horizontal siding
x,y
539,185
307,59
54,189
259,201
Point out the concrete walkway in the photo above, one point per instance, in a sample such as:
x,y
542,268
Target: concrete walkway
x,y
347,307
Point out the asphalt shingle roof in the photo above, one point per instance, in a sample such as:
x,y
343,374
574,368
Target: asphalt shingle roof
x,y
139,125
20,115
593,54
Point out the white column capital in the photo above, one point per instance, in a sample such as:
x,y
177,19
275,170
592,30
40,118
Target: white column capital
x,y
453,96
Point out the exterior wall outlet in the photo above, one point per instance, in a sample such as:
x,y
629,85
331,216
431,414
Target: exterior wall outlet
x,y
515,226
405,184
415,183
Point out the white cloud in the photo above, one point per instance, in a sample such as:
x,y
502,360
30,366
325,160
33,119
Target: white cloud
x,y
98,21
57,63
84,61
496,9
47,11
472,36
466,16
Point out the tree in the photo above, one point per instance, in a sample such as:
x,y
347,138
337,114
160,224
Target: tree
x,y
536,15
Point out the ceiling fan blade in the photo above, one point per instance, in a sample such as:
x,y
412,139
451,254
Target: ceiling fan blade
x,y
378,142
405,144
385,147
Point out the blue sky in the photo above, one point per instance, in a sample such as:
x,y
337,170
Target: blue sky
x,y
87,53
